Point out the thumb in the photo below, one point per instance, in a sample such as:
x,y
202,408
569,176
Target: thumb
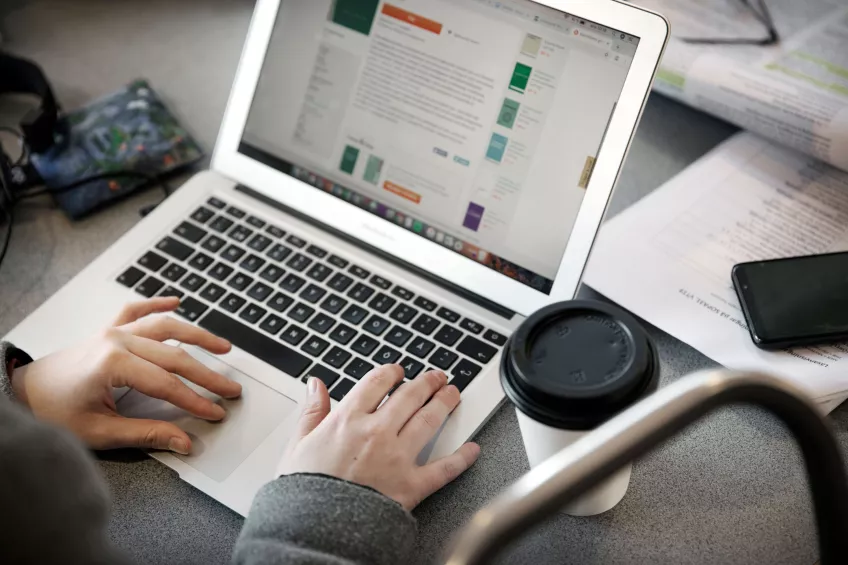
x,y
146,434
315,409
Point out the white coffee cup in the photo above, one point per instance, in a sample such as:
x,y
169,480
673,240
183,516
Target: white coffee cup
x,y
567,369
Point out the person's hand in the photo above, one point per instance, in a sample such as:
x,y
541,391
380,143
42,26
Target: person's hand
x,y
73,388
378,447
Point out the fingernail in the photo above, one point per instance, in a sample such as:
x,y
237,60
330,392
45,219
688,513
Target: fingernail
x,y
219,411
178,445
312,386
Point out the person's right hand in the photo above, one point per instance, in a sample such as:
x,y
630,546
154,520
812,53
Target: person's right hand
x,y
378,447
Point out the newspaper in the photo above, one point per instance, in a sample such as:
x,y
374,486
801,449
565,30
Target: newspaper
x,y
794,93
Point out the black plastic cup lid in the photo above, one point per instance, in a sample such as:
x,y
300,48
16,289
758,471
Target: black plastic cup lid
x,y
574,365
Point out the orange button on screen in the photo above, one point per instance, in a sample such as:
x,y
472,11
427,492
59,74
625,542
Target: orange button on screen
x,y
413,19
402,192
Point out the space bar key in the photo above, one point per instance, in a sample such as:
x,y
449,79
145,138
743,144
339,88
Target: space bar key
x,y
272,352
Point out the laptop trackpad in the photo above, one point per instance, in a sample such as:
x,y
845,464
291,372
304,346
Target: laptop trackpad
x,y
218,448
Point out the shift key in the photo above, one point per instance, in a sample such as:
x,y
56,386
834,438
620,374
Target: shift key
x,y
271,351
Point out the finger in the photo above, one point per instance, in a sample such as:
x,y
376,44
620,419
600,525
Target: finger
x,y
315,409
163,328
178,360
408,399
136,310
156,382
372,389
114,432
424,424
437,474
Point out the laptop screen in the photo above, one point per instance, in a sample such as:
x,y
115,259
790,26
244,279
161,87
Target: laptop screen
x,y
472,123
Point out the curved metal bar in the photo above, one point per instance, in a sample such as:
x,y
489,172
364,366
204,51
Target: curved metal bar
x,y
545,489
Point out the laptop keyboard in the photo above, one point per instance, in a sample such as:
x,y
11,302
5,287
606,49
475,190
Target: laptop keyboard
x,y
301,309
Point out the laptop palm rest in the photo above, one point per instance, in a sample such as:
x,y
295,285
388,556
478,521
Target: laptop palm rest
x,y
218,448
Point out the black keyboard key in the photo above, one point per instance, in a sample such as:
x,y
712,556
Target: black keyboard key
x,y
425,303
447,335
354,314
425,324
358,271
191,309
403,293
235,212
301,312
272,273
190,232
294,334
380,282
216,203
420,347
269,350
319,272
174,272
360,292
130,277
411,367
340,390
382,303
233,303
365,345
404,313
313,293
358,368
280,302
463,373
232,253
292,283
443,358
240,281
260,242
193,282
376,325
333,304
279,252
220,271
322,323
275,231
252,263
252,313
256,222
213,243
386,355
398,336
316,251
202,215
327,376
343,334
240,233
448,315
200,261
221,224
152,261
315,346
476,350
171,291
471,326
174,248
338,261
212,293
299,262
340,282
260,291
296,241
337,357
494,337
149,287
273,324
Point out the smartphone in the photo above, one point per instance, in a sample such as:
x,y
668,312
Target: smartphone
x,y
795,301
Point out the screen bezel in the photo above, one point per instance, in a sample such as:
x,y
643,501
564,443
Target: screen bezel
x,y
456,269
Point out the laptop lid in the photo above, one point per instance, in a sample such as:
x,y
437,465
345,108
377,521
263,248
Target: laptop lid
x,y
477,139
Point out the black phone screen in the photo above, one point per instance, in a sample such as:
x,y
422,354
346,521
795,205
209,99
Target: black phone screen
x,y
795,300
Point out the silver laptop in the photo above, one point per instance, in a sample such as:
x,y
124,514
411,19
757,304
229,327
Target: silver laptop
x,y
394,182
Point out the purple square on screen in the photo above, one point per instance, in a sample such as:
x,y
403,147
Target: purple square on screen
x,y
473,216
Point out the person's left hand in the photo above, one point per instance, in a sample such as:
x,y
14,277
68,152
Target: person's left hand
x,y
73,387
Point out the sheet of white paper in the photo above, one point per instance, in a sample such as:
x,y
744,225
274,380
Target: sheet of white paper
x,y
668,257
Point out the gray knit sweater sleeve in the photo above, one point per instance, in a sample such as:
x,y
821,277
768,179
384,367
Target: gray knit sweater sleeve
x,y
55,507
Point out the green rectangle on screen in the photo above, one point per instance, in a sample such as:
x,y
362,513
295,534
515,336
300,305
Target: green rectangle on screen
x,y
520,77
349,158
357,15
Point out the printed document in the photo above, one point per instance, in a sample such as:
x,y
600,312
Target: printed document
x,y
668,258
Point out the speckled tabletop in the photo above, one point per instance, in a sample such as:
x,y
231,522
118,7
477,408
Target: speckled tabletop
x,y
730,489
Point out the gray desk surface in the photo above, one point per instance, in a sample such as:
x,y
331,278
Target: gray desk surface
x,y
730,489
